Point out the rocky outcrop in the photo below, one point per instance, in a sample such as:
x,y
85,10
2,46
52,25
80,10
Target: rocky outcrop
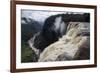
x,y
72,46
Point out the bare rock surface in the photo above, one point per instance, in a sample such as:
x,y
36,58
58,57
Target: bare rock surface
x,y
72,46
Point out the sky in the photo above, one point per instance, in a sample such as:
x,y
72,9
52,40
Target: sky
x,y
39,15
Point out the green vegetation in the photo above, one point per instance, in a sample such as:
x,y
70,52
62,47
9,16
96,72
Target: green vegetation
x,y
27,55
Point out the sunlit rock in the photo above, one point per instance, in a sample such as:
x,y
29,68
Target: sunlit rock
x,y
72,46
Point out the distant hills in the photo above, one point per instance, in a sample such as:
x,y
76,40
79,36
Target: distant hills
x,y
29,27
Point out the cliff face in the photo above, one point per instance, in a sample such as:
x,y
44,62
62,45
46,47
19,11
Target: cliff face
x,y
41,29
75,45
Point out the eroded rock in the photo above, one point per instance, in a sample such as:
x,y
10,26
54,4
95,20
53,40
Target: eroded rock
x,y
72,46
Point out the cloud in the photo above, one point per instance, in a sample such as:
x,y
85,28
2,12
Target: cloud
x,y
39,15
